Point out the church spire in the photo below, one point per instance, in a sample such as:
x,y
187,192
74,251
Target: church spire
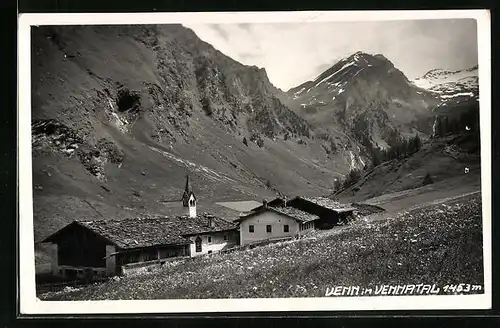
x,y
188,191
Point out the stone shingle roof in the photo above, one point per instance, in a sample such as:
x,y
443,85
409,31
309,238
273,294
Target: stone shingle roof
x,y
294,213
144,232
329,204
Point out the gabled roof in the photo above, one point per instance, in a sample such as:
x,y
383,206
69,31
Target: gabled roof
x,y
273,203
241,206
145,232
291,212
329,204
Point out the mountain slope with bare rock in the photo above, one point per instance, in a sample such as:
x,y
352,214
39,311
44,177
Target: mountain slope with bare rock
x,y
366,96
121,113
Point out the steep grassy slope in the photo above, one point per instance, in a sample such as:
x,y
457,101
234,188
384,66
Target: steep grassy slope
x,y
440,244
121,113
443,159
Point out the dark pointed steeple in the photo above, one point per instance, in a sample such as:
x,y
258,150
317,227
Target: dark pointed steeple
x,y
188,191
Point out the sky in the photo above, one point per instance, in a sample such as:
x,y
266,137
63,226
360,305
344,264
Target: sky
x,y
293,53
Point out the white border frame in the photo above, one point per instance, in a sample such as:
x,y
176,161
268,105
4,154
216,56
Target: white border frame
x,y
29,304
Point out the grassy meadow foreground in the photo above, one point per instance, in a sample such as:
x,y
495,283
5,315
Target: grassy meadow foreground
x,y
435,244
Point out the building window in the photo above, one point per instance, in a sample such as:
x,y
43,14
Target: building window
x,y
225,237
268,228
209,239
198,244
286,228
251,228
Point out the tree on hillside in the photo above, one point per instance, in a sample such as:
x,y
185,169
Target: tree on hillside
x,y
417,143
437,127
337,184
427,180
414,144
377,156
352,177
269,184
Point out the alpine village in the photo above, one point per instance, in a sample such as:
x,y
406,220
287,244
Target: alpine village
x,y
165,169
89,249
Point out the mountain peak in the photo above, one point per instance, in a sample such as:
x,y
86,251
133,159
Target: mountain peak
x,y
344,70
450,86
358,55
363,59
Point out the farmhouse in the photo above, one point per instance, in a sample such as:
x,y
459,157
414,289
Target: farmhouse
x,y
86,249
280,218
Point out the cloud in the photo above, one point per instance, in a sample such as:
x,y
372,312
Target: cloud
x,y
221,31
245,26
293,53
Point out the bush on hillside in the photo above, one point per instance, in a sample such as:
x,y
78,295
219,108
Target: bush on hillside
x,y
427,180
255,137
268,184
352,177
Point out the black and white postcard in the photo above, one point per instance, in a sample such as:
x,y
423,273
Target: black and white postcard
x,y
239,162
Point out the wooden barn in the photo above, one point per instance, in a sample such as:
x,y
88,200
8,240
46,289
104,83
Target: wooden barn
x,y
330,212
86,249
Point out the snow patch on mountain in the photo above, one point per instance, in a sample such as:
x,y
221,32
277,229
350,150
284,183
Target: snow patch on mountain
x,y
336,72
470,94
440,76
297,94
451,86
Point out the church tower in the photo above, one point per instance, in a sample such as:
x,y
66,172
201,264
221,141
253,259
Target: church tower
x,y
188,198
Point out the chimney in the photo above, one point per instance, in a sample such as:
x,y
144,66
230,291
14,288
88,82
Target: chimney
x,y
211,222
264,203
285,201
